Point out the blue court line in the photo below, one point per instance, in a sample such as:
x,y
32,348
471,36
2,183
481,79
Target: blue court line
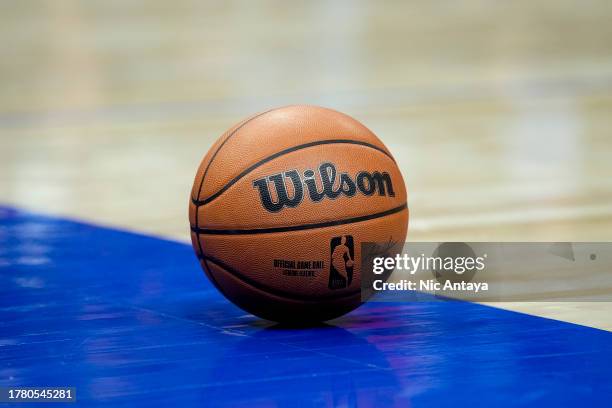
x,y
131,321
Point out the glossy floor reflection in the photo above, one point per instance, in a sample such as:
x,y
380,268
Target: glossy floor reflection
x,y
131,321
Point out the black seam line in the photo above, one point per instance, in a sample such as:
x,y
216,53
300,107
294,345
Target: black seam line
x,y
223,143
206,231
199,203
209,274
276,292
212,159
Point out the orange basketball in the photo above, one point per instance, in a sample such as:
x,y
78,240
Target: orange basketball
x,y
281,204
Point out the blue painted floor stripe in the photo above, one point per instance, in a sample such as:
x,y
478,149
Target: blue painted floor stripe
x,y
130,320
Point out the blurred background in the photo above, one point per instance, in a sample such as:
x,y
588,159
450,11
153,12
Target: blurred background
x,y
499,113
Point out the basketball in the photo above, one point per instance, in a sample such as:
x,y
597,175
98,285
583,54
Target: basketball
x,y
281,204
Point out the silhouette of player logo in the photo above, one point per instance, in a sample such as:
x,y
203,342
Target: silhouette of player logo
x,y
342,262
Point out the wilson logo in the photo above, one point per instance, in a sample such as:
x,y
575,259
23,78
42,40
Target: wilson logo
x,y
327,184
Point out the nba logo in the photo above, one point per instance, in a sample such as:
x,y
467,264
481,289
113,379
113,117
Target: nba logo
x,y
342,260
